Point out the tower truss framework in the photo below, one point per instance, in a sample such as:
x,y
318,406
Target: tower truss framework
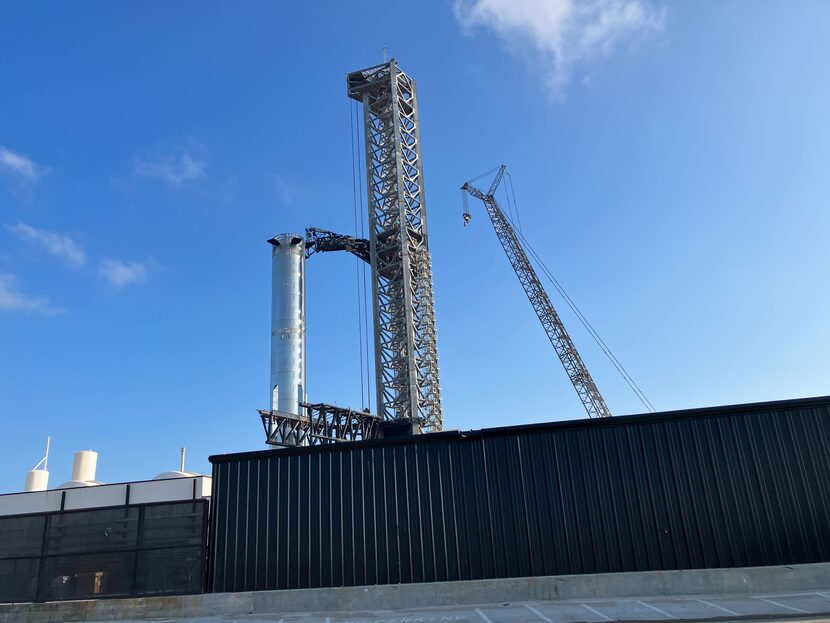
x,y
406,350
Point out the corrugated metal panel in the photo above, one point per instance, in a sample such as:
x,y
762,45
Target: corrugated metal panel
x,y
723,487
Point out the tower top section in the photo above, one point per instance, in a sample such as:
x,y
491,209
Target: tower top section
x,y
370,78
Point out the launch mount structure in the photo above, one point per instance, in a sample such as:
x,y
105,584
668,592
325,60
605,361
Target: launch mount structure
x,y
408,393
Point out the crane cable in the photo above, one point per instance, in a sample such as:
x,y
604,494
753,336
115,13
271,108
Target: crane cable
x,y
570,302
493,170
515,205
585,323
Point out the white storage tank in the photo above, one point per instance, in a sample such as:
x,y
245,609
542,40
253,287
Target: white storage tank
x,y
83,470
37,480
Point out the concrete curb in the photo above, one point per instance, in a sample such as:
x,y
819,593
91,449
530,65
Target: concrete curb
x,y
749,580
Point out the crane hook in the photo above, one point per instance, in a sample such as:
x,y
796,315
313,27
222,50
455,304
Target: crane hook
x,y
466,206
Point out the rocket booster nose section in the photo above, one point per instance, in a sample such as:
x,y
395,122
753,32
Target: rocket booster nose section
x,y
285,240
287,388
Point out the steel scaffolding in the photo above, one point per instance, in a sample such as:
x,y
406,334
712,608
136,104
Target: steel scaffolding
x,y
318,424
406,350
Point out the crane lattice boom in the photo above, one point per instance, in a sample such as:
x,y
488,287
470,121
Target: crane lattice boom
x,y
559,338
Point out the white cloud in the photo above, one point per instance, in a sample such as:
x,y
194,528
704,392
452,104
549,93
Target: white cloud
x,y
561,34
284,189
175,171
20,166
120,273
12,299
59,245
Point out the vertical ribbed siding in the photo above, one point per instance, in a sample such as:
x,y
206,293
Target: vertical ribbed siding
x,y
712,488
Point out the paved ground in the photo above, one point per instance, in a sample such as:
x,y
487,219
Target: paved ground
x,y
794,606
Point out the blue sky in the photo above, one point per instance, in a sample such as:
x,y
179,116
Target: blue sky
x,y
670,162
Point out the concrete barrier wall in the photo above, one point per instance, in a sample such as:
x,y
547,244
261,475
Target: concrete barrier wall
x,y
750,580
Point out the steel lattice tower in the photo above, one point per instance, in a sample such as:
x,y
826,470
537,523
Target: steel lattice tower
x,y
406,349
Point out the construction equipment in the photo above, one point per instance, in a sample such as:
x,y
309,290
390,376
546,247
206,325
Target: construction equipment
x,y
408,389
292,421
563,345
320,423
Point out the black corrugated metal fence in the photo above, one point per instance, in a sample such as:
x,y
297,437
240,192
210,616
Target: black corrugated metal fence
x,y
143,549
723,487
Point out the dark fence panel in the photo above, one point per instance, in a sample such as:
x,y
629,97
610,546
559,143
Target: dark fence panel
x,y
723,487
150,549
18,579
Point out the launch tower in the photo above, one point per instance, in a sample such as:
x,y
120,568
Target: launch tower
x,y
406,348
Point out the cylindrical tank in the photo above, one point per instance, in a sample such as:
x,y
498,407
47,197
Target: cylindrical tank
x,y
287,388
83,469
37,480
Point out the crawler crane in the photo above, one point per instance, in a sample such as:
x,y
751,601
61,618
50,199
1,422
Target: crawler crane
x,y
563,345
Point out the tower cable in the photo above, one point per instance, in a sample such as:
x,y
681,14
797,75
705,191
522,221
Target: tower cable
x,y
360,183
357,260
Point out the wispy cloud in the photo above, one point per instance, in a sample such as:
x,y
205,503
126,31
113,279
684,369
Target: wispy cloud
x,y
120,274
12,299
178,170
283,189
20,166
59,245
561,34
